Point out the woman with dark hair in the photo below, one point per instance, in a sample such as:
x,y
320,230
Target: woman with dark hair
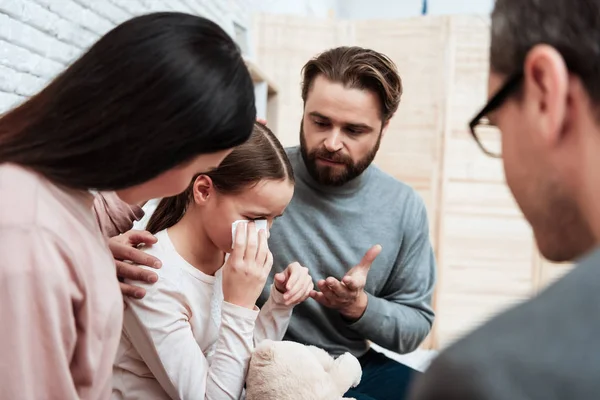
x,y
192,335
156,100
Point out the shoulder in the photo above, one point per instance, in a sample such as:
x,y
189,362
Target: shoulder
x,y
395,194
20,189
529,343
383,180
292,150
466,369
449,379
170,274
294,155
29,199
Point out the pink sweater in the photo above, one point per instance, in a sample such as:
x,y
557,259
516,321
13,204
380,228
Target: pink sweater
x,y
60,306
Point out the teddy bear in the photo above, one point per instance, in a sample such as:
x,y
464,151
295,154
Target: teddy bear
x,y
285,370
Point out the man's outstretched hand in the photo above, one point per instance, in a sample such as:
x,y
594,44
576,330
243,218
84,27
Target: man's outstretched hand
x,y
126,254
348,296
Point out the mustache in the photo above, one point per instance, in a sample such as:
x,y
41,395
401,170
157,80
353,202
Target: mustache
x,y
334,157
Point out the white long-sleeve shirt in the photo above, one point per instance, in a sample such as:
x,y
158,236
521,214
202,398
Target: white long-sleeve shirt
x,y
182,341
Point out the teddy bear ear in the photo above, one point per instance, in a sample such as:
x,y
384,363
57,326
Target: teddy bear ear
x,y
265,351
266,354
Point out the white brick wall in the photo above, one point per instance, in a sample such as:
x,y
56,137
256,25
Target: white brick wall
x,y
38,38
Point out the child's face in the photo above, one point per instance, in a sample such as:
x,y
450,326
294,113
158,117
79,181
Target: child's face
x,y
267,200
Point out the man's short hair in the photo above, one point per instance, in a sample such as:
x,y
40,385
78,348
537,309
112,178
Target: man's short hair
x,y
356,67
572,27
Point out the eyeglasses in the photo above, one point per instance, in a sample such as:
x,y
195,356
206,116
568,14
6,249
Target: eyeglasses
x,y
487,135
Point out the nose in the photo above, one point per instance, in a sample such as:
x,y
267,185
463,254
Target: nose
x,y
333,142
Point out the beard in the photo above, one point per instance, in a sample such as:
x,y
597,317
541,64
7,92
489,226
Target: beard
x,y
337,175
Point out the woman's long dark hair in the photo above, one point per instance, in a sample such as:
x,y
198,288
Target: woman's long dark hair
x,y
151,94
261,157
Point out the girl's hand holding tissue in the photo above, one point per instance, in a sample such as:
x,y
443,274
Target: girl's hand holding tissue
x,y
247,268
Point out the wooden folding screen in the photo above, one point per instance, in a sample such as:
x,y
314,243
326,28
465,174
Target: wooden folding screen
x,y
487,258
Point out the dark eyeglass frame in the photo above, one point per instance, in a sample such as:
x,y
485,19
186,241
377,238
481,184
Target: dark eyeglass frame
x,y
509,87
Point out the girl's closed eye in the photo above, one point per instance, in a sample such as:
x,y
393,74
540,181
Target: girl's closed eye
x,y
255,218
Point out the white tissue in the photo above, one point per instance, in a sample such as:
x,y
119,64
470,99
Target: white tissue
x,y
259,224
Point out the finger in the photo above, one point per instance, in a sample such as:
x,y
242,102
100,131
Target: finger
x,y
369,257
354,283
263,248
136,237
321,284
337,288
294,299
291,291
279,281
251,242
134,272
239,243
132,291
294,274
309,290
126,252
329,295
301,292
280,277
268,263
321,299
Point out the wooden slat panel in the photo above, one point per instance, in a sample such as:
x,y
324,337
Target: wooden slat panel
x,y
411,150
486,266
487,258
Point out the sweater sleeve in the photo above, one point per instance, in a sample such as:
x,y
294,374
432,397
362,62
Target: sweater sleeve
x,y
273,318
400,318
39,331
159,328
114,216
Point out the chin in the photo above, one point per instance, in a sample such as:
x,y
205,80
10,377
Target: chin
x,y
555,254
563,246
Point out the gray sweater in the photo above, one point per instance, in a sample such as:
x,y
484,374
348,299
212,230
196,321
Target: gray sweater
x,y
328,230
545,349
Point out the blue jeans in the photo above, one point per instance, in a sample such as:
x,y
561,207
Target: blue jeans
x,y
382,378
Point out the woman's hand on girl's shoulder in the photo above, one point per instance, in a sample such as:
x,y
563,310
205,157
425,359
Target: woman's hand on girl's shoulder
x,y
295,283
248,266
126,254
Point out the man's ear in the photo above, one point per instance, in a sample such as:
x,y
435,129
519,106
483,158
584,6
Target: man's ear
x,y
202,189
546,86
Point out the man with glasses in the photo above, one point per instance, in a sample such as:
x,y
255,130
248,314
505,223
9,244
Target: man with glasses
x,y
545,100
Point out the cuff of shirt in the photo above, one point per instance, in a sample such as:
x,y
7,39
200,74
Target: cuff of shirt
x,y
239,312
371,316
